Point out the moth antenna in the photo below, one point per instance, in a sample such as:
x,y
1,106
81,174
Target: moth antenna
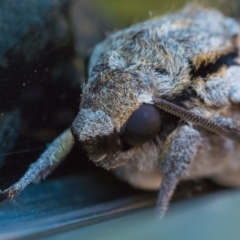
x,y
186,115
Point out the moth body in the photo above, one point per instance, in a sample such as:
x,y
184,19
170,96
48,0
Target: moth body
x,y
189,58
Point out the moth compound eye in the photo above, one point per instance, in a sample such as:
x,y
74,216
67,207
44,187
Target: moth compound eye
x,y
143,125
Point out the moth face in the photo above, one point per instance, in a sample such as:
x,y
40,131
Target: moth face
x,y
117,115
114,120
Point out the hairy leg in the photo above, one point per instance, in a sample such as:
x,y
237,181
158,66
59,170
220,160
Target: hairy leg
x,y
46,163
180,149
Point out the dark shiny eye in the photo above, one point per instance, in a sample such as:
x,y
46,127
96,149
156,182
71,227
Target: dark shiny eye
x,y
143,125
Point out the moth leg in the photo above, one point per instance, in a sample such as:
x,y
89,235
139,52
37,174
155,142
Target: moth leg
x,y
51,158
179,151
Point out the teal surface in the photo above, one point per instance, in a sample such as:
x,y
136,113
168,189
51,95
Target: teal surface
x,y
215,217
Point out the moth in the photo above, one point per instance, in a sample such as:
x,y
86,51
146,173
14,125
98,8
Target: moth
x,y
160,105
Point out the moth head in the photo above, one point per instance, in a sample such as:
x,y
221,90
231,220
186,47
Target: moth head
x,y
120,111
96,132
116,114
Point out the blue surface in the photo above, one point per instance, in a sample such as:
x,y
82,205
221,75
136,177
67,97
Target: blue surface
x,y
214,217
